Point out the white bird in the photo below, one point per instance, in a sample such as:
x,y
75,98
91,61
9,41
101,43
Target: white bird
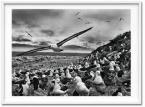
x,y
77,85
98,79
26,85
81,88
56,47
57,89
68,75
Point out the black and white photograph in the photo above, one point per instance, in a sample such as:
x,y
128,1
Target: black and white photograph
x,y
71,52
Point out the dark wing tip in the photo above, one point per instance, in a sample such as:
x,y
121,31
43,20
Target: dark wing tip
x,y
89,28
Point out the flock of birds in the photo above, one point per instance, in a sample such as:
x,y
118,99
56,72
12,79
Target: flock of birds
x,y
62,82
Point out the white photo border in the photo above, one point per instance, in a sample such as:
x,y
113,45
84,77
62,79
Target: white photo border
x,y
136,49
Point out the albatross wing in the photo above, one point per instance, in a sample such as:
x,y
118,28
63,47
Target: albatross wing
x,y
35,50
73,36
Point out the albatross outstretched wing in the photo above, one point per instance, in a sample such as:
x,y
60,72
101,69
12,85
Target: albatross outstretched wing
x,y
58,44
73,36
35,50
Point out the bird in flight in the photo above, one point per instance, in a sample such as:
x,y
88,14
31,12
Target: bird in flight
x,y
80,19
121,19
28,33
77,13
108,21
56,47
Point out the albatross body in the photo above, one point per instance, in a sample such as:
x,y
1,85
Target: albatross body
x,y
55,47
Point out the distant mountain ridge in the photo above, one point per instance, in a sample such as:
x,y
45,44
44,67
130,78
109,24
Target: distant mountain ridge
x,y
75,47
24,45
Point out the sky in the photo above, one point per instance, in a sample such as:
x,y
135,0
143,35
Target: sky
x,y
50,26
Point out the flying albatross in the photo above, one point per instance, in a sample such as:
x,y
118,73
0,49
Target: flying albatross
x,y
28,33
56,47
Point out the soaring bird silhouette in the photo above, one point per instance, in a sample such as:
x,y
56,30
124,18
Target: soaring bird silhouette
x,y
121,19
108,21
77,13
56,47
28,33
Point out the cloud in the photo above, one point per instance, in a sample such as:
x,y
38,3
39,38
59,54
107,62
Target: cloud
x,y
48,32
90,39
14,22
97,37
43,43
20,39
109,14
57,24
32,26
32,17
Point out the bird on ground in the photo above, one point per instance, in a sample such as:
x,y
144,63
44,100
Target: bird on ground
x,y
57,89
81,88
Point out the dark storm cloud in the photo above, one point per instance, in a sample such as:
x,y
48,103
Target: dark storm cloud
x,y
43,43
48,32
26,14
90,39
97,37
21,39
32,25
31,16
16,24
